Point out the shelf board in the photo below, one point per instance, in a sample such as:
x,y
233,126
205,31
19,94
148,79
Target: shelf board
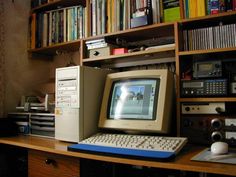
x,y
221,99
208,17
199,52
136,58
56,4
149,31
52,50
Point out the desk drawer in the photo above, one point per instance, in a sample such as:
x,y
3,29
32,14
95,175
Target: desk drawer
x,y
42,164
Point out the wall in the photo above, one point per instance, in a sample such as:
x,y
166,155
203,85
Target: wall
x,y
22,74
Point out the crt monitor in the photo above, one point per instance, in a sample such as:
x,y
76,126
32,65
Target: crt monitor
x,y
138,101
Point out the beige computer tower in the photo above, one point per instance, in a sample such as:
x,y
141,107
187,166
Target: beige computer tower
x,y
79,91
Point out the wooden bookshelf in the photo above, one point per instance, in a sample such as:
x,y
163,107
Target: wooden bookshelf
x,y
173,54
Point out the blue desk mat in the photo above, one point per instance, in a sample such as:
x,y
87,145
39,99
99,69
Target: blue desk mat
x,y
207,156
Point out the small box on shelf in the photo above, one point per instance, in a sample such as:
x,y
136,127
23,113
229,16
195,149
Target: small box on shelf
x,y
119,51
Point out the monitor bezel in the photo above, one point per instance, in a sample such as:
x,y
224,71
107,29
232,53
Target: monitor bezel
x,y
162,122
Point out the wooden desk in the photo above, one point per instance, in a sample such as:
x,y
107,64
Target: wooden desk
x,y
182,161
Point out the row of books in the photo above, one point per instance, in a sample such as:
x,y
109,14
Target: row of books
x,y
57,26
36,3
222,36
115,15
198,8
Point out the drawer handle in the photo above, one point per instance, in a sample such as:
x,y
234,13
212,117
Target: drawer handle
x,y
50,161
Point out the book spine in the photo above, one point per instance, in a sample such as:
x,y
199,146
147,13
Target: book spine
x,y
98,17
64,25
103,18
229,5
76,23
45,29
94,10
234,5
117,15
149,11
208,7
69,31
56,34
121,14
39,30
154,11
214,7
186,8
85,22
192,8
201,9
158,11
222,5
171,10
33,31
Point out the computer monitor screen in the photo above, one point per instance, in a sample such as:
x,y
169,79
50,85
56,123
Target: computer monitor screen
x,y
138,101
134,99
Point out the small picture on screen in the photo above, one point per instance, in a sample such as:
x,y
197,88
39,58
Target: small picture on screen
x,y
134,99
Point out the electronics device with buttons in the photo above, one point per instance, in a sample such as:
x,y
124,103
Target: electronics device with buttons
x,y
207,69
209,128
208,87
203,108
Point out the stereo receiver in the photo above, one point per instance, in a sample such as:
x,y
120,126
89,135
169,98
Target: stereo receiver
x,y
208,129
194,88
203,108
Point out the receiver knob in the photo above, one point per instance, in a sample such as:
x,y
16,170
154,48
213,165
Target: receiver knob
x,y
219,110
216,123
216,136
187,109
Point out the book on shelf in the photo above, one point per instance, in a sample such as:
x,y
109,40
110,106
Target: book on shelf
x,y
156,13
222,4
214,6
33,31
45,29
141,13
193,8
171,10
208,7
201,8
39,30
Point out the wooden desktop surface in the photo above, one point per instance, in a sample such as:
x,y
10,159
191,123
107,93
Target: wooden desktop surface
x,y
181,162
